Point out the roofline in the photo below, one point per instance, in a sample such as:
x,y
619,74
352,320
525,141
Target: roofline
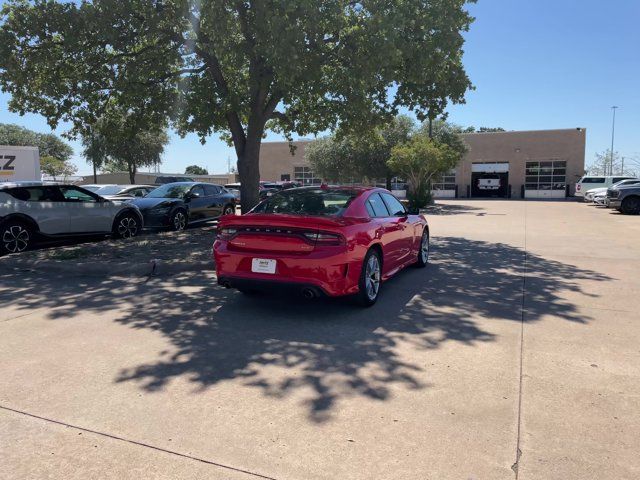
x,y
306,140
579,129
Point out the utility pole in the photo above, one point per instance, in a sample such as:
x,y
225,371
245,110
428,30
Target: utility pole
x,y
622,167
613,130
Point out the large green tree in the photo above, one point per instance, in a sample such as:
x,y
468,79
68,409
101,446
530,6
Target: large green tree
x,y
419,162
236,68
196,170
55,168
49,145
348,156
123,142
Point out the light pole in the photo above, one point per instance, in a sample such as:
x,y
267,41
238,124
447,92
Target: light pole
x,y
613,130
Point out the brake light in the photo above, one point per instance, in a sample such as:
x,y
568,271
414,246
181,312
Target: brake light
x,y
324,238
225,233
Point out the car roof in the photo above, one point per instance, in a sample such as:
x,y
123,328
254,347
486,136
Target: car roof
x,y
352,188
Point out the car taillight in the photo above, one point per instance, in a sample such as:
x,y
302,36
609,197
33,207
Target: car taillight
x,y
226,233
324,238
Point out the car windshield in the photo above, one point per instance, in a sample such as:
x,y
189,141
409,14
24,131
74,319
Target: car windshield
x,y
107,190
91,188
169,191
318,201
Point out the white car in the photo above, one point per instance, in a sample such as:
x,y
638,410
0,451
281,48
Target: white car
x,y
590,182
120,192
31,211
488,183
592,194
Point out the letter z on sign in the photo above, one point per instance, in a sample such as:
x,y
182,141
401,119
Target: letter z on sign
x,y
6,163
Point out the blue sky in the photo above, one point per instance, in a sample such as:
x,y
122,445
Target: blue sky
x,y
535,65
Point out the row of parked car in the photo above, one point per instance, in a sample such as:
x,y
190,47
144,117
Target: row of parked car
x,y
621,193
31,211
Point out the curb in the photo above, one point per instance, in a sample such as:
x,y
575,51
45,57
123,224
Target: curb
x,y
154,267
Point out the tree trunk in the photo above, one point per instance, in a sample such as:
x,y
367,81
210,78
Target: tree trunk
x,y
388,181
95,174
249,170
131,166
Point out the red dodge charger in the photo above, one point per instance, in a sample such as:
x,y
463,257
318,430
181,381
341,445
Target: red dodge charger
x,y
321,241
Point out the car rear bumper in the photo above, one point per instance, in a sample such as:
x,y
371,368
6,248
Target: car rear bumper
x,y
330,273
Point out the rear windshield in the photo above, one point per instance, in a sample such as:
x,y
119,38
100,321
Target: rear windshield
x,y
593,180
307,202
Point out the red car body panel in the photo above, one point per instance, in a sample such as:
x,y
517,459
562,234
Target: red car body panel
x,y
334,269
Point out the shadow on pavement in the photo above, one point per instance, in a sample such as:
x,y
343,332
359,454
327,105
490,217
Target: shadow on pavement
x,y
328,348
452,209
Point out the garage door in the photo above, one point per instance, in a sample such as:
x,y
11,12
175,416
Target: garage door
x,y
546,179
490,180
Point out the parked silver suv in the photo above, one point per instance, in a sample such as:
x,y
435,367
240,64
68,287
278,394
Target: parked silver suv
x,y
624,198
31,210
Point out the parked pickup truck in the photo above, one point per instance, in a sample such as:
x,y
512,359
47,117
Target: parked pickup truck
x,y
624,198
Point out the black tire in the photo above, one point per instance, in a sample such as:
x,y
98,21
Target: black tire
x,y
370,280
179,220
228,210
127,225
15,237
631,206
423,255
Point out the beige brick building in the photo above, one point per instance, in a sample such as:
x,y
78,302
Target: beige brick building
x,y
536,164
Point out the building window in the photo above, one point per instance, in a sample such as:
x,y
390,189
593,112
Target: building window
x,y
548,175
446,181
305,176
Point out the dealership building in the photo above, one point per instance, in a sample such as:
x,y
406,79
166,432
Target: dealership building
x,y
522,164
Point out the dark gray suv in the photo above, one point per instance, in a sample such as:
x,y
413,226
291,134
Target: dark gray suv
x,y
624,198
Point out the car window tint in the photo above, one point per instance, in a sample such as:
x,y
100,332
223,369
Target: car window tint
x,y
378,206
619,179
394,206
199,190
37,194
73,194
318,201
593,180
210,190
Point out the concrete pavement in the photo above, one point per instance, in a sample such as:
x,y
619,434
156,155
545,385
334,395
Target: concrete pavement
x,y
521,334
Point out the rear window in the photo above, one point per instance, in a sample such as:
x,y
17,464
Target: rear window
x,y
307,202
593,180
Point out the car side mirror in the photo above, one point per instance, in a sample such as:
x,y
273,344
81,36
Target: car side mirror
x,y
191,195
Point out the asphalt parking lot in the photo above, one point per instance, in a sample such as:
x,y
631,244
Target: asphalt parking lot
x,y
515,354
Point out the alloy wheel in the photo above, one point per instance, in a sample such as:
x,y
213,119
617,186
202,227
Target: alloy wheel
x,y
15,239
127,227
179,221
372,277
227,211
424,248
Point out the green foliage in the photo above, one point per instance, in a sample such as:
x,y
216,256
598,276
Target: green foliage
x,y
490,129
48,144
234,68
195,170
123,142
54,167
419,161
348,156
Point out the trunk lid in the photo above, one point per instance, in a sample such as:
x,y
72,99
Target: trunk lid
x,y
290,234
